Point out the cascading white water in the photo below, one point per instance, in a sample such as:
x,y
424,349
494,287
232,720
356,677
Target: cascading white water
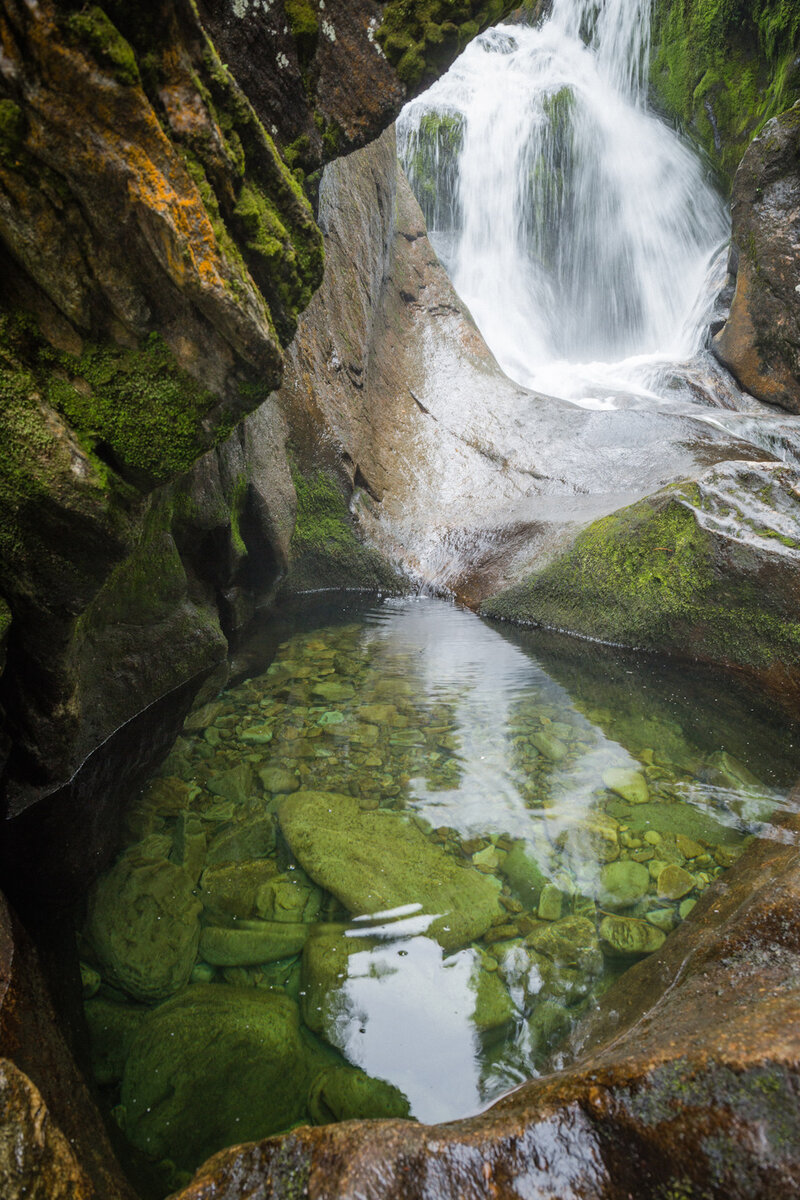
x,y
575,224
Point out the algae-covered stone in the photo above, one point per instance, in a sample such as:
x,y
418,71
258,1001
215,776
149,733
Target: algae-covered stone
x,y
231,889
693,822
630,785
524,874
662,918
548,1024
629,937
341,1093
325,968
332,690
551,903
277,780
235,784
251,942
571,942
377,860
549,745
189,845
493,1008
246,840
143,923
674,883
214,1066
112,1030
623,883
289,897
592,837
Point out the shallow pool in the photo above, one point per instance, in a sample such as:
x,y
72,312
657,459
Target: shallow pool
x,y
388,869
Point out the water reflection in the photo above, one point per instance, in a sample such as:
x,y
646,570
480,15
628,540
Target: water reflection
x,y
409,853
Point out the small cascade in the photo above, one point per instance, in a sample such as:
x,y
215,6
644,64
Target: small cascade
x,y
575,224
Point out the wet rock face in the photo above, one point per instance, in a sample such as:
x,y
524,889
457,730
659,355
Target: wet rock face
x,y
760,343
693,1093
52,1142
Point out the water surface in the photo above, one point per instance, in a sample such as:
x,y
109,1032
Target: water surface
x,y
390,867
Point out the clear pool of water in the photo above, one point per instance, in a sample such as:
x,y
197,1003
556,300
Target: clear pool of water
x,y
386,871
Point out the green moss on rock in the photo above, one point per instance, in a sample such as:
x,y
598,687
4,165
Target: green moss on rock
x,y
422,37
325,551
722,68
650,576
12,129
92,28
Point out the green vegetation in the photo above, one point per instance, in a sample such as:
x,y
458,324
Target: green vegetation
x,y
722,68
325,551
92,28
134,409
12,129
422,37
304,26
646,576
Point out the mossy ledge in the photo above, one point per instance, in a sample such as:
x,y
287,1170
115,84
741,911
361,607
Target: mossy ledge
x,y
723,68
653,577
326,552
421,38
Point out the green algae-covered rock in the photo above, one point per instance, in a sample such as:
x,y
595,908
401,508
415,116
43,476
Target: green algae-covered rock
x,y
524,875
377,860
571,942
277,780
251,942
231,889
628,937
214,1066
674,883
112,1030
630,785
493,1010
289,897
246,840
592,837
235,784
341,1093
143,923
623,882
325,968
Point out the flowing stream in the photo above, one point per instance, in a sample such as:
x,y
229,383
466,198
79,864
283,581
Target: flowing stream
x,y
576,225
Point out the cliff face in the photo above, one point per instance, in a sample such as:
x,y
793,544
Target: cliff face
x,y
155,251
722,68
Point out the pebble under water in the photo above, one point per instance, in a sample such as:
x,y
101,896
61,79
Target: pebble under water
x,y
390,867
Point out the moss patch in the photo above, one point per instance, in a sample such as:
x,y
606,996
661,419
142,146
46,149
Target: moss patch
x,y
421,38
325,551
92,28
647,576
722,68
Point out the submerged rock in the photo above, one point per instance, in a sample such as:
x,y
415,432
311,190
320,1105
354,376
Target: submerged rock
x,y
379,860
143,924
630,937
343,1093
214,1066
622,883
251,942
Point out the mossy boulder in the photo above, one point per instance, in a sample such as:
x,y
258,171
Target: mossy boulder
x,y
707,569
342,1093
623,883
143,925
378,860
213,1066
629,937
251,942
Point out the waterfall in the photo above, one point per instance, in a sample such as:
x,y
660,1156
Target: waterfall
x,y
575,224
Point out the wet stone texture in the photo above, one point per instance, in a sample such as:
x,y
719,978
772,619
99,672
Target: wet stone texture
x,y
344,852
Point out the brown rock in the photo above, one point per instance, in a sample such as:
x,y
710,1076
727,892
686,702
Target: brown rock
x,y
760,343
53,1143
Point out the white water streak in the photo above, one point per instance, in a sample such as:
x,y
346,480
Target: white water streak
x,y
574,223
